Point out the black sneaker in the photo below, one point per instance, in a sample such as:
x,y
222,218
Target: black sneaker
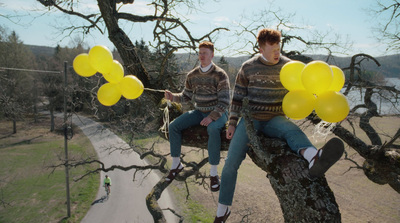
x,y
328,155
222,219
214,183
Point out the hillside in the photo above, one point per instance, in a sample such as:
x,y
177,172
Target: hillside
x,y
390,66
42,50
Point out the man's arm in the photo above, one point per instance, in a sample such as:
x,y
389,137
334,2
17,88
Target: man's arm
x,y
223,96
239,93
184,96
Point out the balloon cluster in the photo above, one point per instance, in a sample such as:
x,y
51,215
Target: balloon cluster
x,y
314,86
100,59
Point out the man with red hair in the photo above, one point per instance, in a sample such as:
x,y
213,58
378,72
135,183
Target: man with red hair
x,y
258,80
208,86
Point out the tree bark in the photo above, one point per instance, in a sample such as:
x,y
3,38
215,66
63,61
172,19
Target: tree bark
x,y
14,126
302,198
152,204
52,123
131,60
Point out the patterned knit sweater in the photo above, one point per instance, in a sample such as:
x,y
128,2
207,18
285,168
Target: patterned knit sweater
x,y
208,91
258,80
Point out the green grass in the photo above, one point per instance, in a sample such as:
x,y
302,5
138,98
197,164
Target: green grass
x,y
196,212
33,192
191,209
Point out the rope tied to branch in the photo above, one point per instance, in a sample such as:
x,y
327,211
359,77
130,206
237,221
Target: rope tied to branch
x,y
165,127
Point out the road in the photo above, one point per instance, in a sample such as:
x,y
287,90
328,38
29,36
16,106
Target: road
x,y
126,202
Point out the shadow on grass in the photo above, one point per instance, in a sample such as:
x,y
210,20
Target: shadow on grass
x,y
27,141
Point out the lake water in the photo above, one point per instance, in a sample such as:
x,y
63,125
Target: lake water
x,y
385,106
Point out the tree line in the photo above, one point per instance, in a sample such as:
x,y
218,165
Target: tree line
x,y
157,69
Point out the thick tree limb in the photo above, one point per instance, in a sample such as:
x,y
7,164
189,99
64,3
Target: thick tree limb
x,y
302,199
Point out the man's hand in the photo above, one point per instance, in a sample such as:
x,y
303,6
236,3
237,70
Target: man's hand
x,y
206,121
230,131
168,95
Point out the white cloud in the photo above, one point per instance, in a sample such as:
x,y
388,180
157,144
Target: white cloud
x,y
221,19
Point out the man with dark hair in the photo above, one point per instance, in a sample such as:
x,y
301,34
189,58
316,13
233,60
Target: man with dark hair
x,y
258,80
208,87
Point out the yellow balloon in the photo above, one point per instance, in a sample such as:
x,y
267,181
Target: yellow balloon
x,y
332,106
82,66
338,79
101,58
116,74
298,104
108,94
131,87
290,75
317,77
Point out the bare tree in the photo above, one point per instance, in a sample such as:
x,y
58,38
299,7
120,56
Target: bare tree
x,y
381,164
387,15
304,38
165,19
302,199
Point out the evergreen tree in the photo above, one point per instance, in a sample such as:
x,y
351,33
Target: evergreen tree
x,y
16,85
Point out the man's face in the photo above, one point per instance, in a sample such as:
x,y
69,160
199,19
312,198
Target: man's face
x,y
271,52
205,56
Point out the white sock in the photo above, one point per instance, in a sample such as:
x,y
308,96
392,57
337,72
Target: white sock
x,y
175,162
309,153
221,209
214,170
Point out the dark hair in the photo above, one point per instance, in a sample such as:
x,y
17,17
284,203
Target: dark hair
x,y
270,36
207,44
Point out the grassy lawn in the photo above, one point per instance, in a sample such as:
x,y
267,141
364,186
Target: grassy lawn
x,y
31,191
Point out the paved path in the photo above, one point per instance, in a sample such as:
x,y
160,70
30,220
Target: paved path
x,y
126,202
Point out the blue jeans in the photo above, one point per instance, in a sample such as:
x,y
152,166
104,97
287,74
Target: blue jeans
x,y
277,127
192,118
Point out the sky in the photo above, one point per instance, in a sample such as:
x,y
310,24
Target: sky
x,y
347,18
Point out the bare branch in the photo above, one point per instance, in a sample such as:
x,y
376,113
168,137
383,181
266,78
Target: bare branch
x,y
52,3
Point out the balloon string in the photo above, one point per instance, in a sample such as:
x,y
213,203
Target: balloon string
x,y
149,89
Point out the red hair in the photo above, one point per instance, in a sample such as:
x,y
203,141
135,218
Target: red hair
x,y
270,36
207,44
